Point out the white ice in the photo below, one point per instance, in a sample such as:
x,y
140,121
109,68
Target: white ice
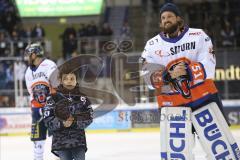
x,y
107,146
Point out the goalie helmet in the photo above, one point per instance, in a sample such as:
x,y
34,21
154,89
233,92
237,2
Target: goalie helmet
x,y
34,48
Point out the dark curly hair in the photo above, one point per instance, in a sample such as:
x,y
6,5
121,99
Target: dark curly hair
x,y
67,68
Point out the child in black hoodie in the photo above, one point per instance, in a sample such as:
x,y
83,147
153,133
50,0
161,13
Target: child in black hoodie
x,y
67,114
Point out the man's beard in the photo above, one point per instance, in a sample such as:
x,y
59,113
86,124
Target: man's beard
x,y
171,28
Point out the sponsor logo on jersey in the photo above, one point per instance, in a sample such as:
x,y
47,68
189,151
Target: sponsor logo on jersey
x,y
167,103
39,75
183,47
162,54
194,33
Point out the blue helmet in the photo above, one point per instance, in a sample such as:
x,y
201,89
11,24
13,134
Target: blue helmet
x,y
34,48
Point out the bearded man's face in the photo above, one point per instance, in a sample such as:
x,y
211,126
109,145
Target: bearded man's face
x,y
169,22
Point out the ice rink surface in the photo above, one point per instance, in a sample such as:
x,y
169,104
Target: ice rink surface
x,y
107,146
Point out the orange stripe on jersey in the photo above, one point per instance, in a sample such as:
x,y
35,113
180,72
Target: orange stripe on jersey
x,y
52,90
198,91
39,82
36,104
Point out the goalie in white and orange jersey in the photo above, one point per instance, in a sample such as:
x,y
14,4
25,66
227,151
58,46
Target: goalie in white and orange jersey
x,y
187,66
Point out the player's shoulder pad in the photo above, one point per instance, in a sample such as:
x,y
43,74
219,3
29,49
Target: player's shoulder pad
x,y
195,32
152,41
48,62
199,32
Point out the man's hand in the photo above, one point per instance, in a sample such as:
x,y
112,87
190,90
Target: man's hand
x,y
68,122
178,70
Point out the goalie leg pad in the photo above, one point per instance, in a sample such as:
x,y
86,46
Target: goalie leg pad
x,y
176,133
214,133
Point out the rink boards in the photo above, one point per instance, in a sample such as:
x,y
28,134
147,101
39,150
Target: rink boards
x,y
138,118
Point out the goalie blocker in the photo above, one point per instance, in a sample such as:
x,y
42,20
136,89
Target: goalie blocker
x,y
177,140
